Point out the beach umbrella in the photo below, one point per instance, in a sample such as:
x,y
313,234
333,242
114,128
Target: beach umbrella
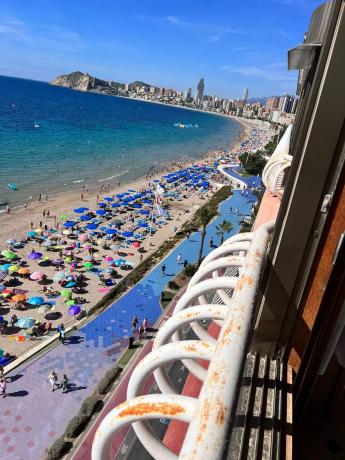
x,y
85,217
39,230
88,265
88,258
48,243
102,205
2,287
92,226
136,244
37,276
68,260
5,267
204,183
63,217
100,212
70,302
136,206
35,255
111,231
25,323
11,241
66,232
120,195
57,261
143,224
6,292
9,255
127,234
74,310
144,212
116,205
108,198
80,210
36,301
13,268
43,309
69,224
19,298
71,284
119,262
31,234
59,276
66,293
83,237
24,271
108,258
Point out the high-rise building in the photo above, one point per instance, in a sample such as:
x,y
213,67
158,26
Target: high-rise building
x,y
187,96
272,103
200,91
245,95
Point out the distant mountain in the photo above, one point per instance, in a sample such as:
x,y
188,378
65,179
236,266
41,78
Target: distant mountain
x,y
84,82
261,100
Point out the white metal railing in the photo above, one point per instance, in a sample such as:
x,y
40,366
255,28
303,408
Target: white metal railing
x,y
209,414
278,163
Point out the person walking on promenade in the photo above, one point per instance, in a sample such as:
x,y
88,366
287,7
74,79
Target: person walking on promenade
x,y
179,258
52,378
163,268
145,325
62,335
3,387
185,263
64,384
134,324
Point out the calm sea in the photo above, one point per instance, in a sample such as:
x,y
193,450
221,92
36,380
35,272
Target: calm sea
x,y
87,139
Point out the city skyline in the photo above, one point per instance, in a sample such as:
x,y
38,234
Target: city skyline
x,y
229,45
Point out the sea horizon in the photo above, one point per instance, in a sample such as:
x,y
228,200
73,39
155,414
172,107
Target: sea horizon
x,y
86,138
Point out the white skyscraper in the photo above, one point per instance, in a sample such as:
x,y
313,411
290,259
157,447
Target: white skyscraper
x,y
245,95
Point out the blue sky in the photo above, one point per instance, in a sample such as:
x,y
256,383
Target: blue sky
x,y
232,44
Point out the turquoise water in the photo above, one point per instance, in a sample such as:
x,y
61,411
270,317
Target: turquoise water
x,y
86,139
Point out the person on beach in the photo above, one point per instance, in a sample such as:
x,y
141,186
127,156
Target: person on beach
x,y
179,258
52,378
163,268
25,206
39,197
64,384
3,387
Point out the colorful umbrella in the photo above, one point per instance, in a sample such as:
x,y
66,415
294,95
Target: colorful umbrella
x,y
136,244
24,271
59,276
19,298
88,265
36,301
57,261
25,323
13,268
31,234
35,255
66,293
74,310
83,237
5,267
37,276
70,302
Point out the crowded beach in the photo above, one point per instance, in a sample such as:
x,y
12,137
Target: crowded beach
x,y
57,260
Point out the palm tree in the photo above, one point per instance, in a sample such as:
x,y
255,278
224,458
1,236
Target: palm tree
x,y
222,228
206,215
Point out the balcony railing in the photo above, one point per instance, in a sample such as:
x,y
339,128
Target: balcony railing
x,y
208,415
275,169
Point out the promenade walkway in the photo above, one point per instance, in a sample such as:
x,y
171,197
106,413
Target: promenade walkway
x,y
250,182
32,416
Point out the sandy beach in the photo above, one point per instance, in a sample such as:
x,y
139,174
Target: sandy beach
x,y
16,225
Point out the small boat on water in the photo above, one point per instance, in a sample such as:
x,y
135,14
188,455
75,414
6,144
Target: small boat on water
x,y
189,125
36,125
12,186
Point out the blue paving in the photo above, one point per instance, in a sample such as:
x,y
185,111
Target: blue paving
x,y
30,421
252,181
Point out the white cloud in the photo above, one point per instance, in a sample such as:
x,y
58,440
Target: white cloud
x,y
51,36
200,26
